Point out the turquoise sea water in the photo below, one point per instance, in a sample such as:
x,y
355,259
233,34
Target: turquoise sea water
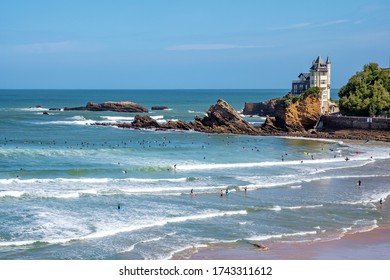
x,y
62,180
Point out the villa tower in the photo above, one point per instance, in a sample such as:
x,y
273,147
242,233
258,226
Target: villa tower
x,y
320,77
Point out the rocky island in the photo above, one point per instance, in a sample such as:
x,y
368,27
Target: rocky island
x,y
123,106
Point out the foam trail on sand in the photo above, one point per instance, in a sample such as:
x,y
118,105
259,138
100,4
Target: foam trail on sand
x,y
260,164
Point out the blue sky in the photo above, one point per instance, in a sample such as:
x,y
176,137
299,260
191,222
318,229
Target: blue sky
x,y
177,44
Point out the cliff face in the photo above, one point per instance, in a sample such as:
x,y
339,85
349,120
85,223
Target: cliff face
x,y
300,115
292,113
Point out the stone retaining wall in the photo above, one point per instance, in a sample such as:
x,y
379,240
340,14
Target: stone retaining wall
x,y
344,122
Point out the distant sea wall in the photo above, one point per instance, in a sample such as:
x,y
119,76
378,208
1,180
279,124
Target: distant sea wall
x,y
345,122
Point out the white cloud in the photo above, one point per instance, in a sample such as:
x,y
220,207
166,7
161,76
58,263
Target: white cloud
x,y
212,47
305,25
332,22
292,26
45,47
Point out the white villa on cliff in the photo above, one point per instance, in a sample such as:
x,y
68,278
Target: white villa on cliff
x,y
319,76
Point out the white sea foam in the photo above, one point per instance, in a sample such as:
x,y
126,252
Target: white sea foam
x,y
193,248
89,180
33,109
105,233
76,120
11,193
302,207
157,117
17,243
117,119
344,177
260,164
282,235
67,195
276,208
360,226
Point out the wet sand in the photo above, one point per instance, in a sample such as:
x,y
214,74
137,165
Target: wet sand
x,y
372,245
368,245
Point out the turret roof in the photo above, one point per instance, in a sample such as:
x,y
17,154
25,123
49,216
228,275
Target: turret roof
x,y
319,64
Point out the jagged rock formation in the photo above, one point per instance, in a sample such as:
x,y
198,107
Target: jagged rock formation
x,y
269,125
123,106
221,118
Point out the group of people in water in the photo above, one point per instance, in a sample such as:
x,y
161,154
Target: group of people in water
x,y
225,192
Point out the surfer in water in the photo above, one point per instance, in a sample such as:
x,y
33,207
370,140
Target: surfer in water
x,y
119,206
192,192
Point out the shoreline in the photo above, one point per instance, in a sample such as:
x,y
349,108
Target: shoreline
x,y
346,134
368,245
372,244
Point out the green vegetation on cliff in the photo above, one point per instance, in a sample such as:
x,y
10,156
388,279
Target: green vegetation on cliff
x,y
367,92
289,99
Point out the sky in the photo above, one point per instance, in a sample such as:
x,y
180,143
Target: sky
x,y
182,44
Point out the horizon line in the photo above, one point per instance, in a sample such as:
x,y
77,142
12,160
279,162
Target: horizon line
x,y
150,88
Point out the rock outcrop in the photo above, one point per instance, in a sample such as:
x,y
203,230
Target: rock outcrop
x,y
265,108
301,115
221,118
123,106
293,113
156,108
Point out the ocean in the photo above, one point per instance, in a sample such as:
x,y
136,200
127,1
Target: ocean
x,y
71,190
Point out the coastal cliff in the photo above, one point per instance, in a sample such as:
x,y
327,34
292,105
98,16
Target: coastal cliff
x,y
298,114
292,113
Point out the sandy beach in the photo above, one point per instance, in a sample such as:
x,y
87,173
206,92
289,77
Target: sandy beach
x,y
368,245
